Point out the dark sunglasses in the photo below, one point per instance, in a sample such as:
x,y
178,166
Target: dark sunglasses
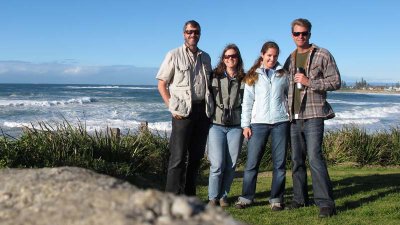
x,y
234,56
195,32
305,33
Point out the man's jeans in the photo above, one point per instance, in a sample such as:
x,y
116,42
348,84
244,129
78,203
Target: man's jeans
x,y
255,151
187,143
224,144
306,139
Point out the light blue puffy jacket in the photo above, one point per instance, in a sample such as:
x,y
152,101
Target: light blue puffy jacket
x,y
266,100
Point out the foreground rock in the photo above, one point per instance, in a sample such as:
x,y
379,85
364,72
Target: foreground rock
x,y
71,195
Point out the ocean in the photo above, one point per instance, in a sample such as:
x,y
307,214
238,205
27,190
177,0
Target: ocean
x,y
99,107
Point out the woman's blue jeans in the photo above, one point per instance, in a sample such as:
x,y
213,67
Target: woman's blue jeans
x,y
255,150
306,140
224,144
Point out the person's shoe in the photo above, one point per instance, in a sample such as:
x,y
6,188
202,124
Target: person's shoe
x,y
213,202
223,202
277,206
327,212
241,205
294,205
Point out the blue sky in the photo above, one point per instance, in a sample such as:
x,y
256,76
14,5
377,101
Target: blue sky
x,y
124,42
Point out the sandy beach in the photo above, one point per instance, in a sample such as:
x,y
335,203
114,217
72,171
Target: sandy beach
x,y
375,91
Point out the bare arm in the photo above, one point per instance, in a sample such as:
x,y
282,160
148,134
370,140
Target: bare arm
x,y
162,88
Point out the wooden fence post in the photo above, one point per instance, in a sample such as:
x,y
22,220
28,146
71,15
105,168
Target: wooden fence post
x,y
115,133
144,126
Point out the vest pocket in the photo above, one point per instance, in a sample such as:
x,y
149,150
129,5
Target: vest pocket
x,y
183,76
179,103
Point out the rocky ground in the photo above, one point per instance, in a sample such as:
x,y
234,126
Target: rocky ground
x,y
70,195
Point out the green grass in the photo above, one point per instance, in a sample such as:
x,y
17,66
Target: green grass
x,y
363,195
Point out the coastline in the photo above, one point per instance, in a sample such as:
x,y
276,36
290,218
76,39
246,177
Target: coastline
x,y
360,91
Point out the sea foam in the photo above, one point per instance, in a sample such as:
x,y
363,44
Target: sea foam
x,y
365,116
370,112
47,103
112,87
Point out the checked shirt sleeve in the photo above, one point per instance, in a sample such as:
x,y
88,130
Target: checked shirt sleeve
x,y
324,73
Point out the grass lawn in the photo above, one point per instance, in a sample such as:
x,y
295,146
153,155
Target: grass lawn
x,y
367,195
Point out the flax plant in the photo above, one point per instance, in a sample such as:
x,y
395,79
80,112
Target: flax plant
x,y
395,143
144,154
62,144
355,145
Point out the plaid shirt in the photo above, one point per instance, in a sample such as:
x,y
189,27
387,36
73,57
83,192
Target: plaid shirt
x,y
324,76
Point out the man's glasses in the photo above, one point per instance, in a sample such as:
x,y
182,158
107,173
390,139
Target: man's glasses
x,y
195,32
305,33
234,56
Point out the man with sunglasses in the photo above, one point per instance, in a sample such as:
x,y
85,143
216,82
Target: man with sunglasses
x,y
183,81
314,72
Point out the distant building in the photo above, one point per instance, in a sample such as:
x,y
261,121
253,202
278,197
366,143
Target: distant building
x,y
389,89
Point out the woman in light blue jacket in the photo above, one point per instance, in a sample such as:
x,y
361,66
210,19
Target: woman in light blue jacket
x,y
264,113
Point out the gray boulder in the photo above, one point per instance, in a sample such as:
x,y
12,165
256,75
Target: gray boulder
x,y
70,195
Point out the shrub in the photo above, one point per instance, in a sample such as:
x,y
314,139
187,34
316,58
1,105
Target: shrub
x,y
352,144
141,154
61,144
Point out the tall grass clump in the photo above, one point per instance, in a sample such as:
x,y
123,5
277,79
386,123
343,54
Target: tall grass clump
x,y
61,144
142,156
353,144
394,140
350,145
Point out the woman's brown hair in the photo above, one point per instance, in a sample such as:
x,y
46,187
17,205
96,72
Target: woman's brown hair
x,y
219,71
251,76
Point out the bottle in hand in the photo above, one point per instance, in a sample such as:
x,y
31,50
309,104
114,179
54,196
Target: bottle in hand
x,y
300,70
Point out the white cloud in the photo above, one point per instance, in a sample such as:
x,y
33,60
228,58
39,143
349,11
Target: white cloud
x,y
82,70
68,72
73,70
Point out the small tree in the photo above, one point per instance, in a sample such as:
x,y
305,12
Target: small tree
x,y
344,85
362,84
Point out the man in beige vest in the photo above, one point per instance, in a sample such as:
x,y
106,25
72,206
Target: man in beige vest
x,y
183,81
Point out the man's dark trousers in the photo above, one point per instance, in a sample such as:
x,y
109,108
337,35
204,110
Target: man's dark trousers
x,y
306,140
187,144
